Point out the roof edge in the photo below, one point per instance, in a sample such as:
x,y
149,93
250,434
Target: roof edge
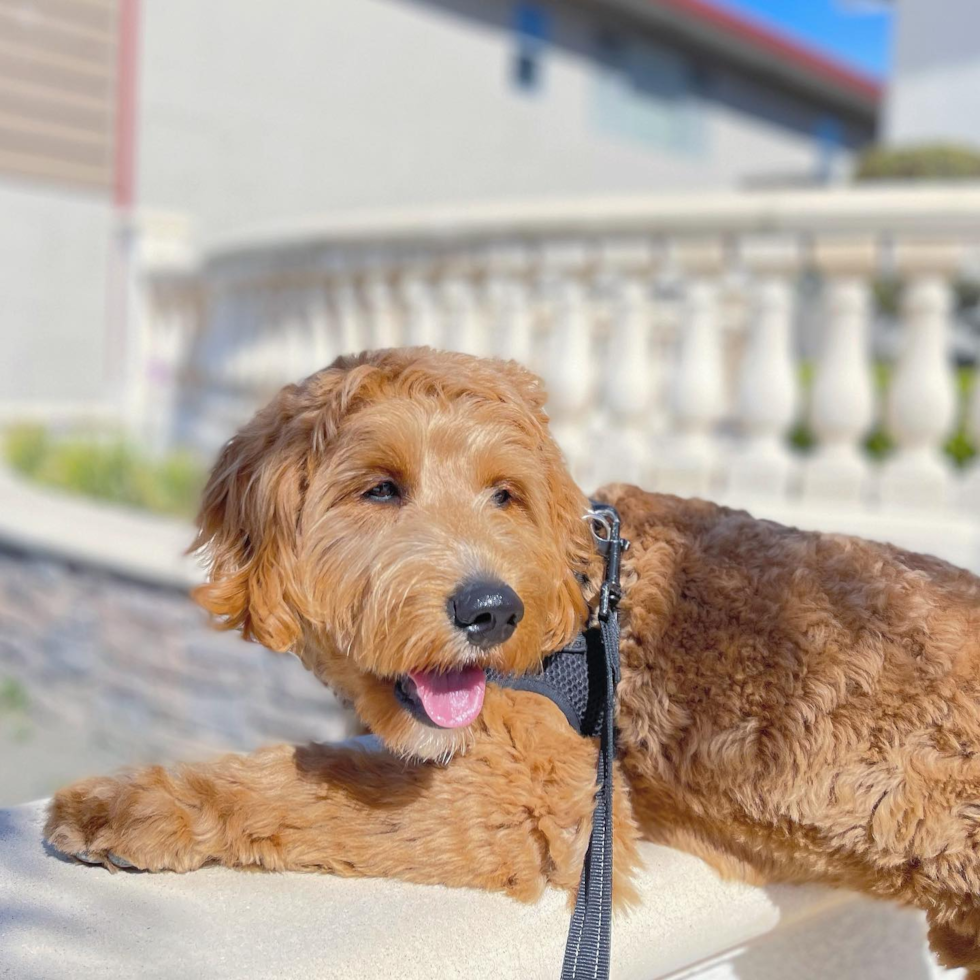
x,y
747,40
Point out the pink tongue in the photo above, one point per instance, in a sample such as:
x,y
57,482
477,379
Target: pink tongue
x,y
453,699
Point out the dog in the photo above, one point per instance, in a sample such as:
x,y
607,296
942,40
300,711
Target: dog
x,y
793,706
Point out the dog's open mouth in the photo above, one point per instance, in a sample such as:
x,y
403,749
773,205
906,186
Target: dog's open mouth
x,y
447,699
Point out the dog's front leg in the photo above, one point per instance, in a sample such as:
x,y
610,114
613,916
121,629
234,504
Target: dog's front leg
x,y
512,813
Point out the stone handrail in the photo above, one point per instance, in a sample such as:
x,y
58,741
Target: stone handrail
x,y
669,331
918,209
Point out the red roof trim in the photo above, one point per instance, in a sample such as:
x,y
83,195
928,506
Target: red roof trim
x,y
778,45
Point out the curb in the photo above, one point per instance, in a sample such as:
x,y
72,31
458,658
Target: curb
x,y
146,547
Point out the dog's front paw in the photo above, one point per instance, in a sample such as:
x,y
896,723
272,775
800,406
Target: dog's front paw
x,y
80,822
120,823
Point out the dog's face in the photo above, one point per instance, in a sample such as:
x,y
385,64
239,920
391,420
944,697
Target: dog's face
x,y
401,520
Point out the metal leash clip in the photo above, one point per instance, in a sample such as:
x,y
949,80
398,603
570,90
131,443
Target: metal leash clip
x,y
611,546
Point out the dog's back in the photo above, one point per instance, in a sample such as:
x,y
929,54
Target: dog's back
x,y
789,695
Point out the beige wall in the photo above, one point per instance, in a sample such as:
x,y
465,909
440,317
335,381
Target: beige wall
x,y
250,114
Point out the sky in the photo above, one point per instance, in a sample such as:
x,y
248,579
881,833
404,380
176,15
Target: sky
x,y
855,32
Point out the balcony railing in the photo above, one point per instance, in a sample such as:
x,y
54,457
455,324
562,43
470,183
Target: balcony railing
x,y
681,339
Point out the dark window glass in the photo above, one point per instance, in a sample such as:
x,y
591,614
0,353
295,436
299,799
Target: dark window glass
x,y
531,30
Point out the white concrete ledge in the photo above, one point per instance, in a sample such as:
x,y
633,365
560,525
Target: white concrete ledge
x,y
143,546
60,919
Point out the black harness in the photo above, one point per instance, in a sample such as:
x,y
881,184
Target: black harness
x,y
581,679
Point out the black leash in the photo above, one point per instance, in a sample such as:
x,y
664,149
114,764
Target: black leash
x,y
588,946
581,680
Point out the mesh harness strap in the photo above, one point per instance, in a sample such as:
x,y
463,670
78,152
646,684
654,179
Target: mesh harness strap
x,y
581,679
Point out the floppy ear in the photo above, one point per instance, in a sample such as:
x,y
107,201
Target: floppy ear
x,y
247,527
249,521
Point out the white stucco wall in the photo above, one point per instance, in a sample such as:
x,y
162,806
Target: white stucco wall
x,y
249,113
54,269
934,93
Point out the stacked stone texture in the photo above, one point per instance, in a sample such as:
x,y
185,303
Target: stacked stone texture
x,y
140,667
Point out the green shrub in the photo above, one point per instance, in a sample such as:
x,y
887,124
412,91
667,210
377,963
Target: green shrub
x,y
13,697
26,446
888,296
107,469
937,161
960,447
878,443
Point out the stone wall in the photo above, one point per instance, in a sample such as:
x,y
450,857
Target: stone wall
x,y
138,670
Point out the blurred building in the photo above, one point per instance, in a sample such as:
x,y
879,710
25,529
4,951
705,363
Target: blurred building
x,y
236,112
934,91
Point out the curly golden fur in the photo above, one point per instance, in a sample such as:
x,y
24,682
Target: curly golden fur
x,y
793,706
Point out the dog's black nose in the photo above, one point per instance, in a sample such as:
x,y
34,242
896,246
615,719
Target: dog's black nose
x,y
487,611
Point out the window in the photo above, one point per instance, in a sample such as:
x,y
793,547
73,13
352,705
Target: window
x,y
531,29
647,92
831,161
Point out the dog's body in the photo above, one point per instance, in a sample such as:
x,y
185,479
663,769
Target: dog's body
x,y
793,706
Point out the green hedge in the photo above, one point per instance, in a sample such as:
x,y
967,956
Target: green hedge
x,y
936,161
107,470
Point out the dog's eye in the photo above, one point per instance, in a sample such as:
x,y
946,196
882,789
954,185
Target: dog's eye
x,y
502,496
384,492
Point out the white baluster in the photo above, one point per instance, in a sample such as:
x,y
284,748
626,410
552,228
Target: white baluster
x,y
842,405
320,327
349,316
296,358
217,352
921,399
422,325
247,357
268,366
202,384
689,461
293,326
464,325
382,315
194,311
630,382
271,367
766,395
509,318
569,369
510,322
163,361
309,344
